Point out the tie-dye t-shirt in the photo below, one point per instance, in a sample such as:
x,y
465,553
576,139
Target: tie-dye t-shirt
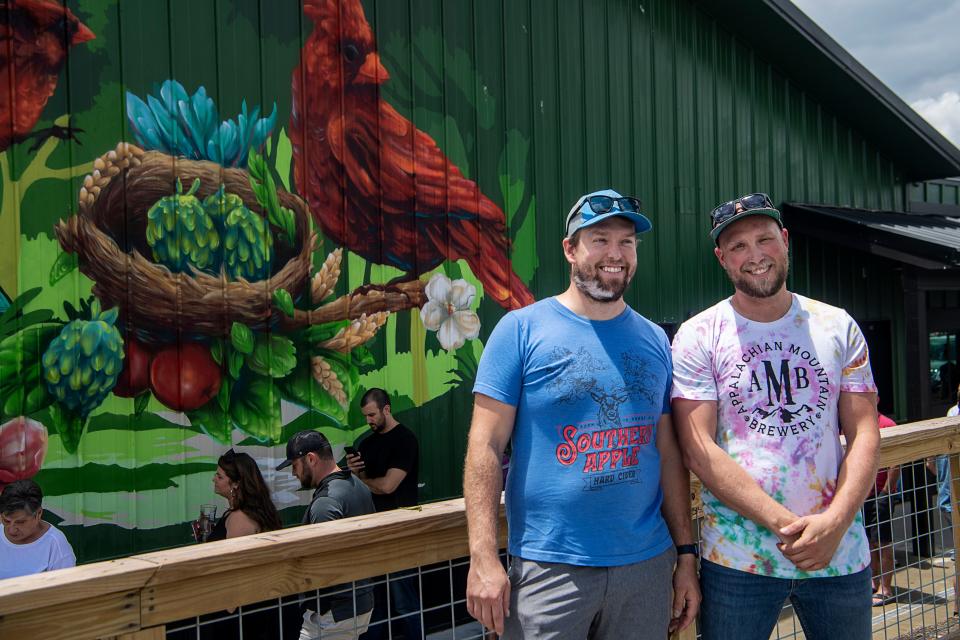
x,y
776,385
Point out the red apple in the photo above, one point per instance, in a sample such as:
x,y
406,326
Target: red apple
x,y
23,444
135,377
184,377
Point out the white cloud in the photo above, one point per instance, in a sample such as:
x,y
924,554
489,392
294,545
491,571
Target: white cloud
x,y
943,113
905,44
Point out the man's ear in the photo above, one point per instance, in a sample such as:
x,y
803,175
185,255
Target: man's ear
x,y
717,252
569,251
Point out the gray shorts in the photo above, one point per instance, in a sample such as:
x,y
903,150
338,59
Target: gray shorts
x,y
553,601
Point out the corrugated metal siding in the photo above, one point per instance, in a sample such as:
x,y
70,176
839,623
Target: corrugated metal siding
x,y
538,101
936,192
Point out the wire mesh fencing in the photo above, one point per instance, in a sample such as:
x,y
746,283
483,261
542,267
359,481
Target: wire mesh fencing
x,y
423,602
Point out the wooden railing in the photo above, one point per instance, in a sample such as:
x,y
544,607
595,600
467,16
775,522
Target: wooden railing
x,y
133,598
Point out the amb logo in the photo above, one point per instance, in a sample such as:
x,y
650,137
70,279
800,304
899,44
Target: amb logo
x,y
779,392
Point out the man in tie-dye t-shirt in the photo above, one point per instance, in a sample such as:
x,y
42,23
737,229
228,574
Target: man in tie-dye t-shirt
x,y
764,384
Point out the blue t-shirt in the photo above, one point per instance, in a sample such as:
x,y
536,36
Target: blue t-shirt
x,y
584,480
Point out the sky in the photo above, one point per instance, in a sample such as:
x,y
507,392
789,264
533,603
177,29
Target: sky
x,y
910,45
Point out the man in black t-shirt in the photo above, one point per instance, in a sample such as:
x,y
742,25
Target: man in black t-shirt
x,y
388,460
337,494
388,463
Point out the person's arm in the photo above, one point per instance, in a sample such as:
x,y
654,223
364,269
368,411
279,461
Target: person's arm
x,y
893,477
488,588
696,426
324,509
401,461
385,484
675,483
820,533
240,524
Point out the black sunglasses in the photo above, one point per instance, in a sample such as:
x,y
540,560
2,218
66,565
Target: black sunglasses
x,y
747,203
603,204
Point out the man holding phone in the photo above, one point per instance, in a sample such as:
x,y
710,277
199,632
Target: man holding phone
x,y
387,461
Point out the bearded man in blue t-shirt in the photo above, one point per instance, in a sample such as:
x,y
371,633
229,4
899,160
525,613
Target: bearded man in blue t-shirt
x,y
598,500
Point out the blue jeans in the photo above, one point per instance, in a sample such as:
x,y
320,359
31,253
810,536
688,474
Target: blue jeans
x,y
404,589
743,606
943,483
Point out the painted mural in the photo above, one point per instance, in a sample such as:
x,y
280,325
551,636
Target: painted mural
x,y
177,281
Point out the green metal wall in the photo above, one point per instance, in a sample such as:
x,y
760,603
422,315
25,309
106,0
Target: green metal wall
x,y
936,192
538,101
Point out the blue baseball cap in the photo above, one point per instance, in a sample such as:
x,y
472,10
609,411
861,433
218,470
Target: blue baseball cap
x,y
598,206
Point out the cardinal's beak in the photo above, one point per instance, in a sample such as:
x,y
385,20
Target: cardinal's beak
x,y
372,70
83,34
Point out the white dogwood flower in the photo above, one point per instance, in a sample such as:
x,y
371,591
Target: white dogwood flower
x,y
448,311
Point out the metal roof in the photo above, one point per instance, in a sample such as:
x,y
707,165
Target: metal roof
x,y
929,242
779,32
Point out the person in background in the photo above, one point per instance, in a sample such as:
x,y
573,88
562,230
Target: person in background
x,y
387,461
29,544
945,505
877,519
251,510
336,613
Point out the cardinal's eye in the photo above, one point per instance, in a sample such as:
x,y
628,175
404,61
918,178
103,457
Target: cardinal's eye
x,y
351,53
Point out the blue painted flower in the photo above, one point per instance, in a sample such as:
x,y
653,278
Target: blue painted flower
x,y
183,125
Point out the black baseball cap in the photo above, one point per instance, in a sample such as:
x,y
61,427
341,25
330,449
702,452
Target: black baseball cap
x,y
302,443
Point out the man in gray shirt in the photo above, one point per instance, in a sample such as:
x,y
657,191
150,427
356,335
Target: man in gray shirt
x,y
337,494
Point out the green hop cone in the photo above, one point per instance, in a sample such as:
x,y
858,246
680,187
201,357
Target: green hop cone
x,y
182,234
82,364
247,241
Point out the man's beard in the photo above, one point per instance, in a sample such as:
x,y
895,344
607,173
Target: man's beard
x,y
306,481
590,284
767,286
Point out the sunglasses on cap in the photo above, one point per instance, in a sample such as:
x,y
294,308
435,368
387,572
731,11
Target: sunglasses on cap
x,y
728,210
600,205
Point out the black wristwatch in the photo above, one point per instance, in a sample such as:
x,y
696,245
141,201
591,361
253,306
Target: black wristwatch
x,y
691,549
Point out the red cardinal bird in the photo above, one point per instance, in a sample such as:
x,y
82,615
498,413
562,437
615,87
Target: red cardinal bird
x,y
375,183
34,38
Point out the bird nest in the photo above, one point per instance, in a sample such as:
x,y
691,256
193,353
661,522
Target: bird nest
x,y
108,234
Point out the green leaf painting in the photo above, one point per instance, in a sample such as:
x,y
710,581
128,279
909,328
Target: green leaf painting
x,y
256,409
273,356
284,301
68,424
241,337
303,388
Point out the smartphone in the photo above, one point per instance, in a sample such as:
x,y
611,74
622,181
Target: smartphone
x,y
351,451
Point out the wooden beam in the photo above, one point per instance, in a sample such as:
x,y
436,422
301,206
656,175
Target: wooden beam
x,y
173,600
79,619
52,588
919,440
